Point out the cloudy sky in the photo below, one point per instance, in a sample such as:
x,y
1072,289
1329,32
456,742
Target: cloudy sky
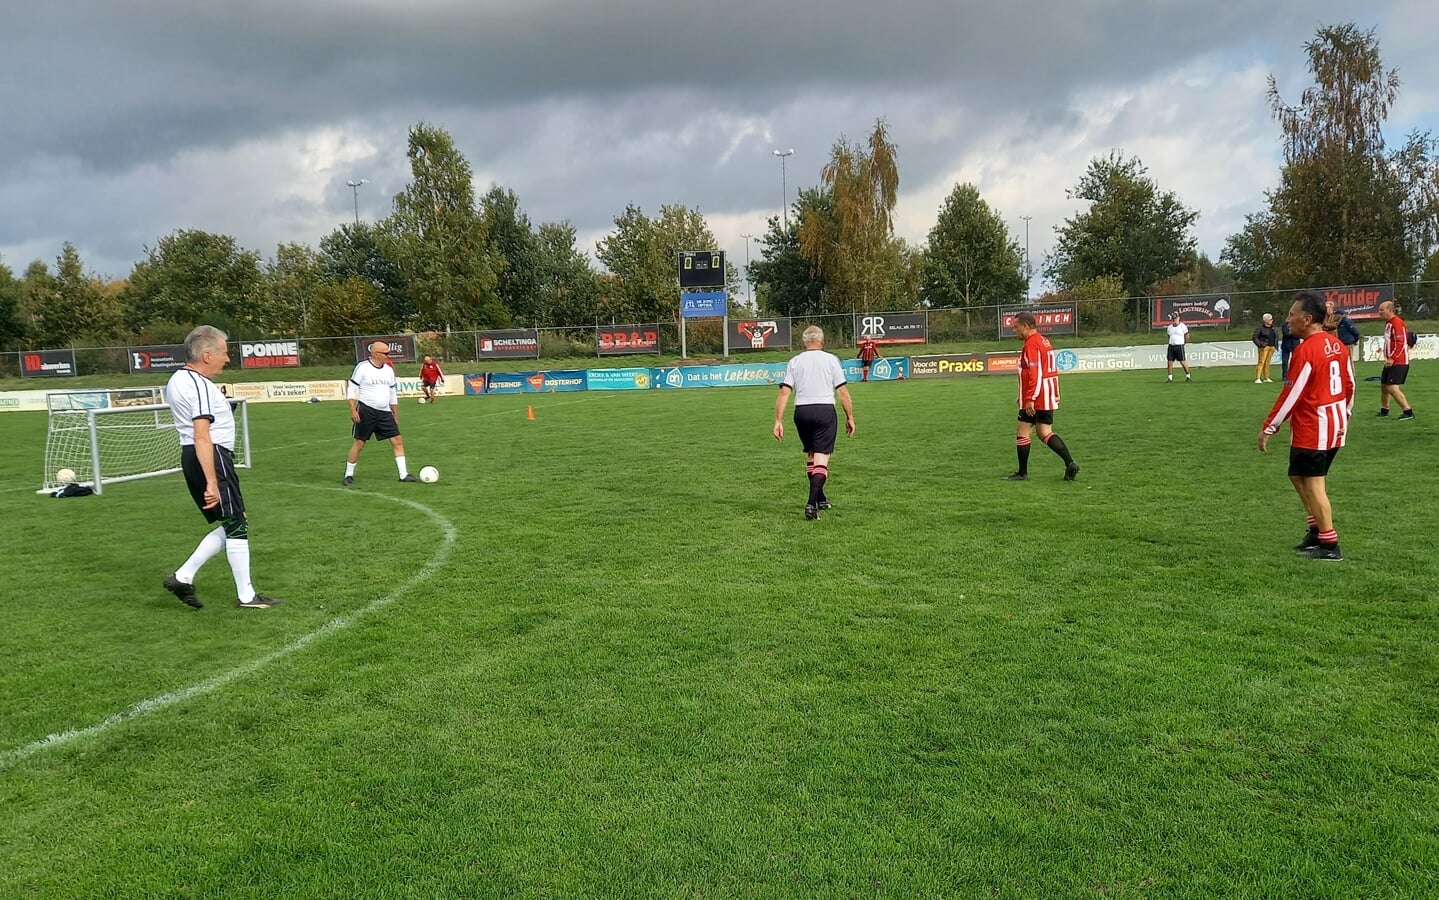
x,y
124,120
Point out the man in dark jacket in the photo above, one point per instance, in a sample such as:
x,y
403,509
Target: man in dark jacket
x,y
1266,339
1288,343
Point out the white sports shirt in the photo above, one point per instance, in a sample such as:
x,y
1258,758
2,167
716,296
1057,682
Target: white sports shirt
x,y
374,386
814,376
193,396
1177,333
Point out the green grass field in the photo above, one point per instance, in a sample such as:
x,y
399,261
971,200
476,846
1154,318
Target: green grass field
x,y
606,656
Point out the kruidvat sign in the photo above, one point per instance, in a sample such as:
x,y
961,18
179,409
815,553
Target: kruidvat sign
x,y
1359,302
159,358
402,347
893,328
1195,310
949,365
624,340
1061,318
269,354
47,363
512,343
759,334
704,304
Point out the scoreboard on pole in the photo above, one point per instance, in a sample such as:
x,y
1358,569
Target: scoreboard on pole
x,y
701,269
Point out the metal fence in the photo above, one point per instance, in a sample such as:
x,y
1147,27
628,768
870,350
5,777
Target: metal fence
x,y
705,337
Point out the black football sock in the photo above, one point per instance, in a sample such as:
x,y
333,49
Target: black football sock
x,y
1056,443
1021,447
816,484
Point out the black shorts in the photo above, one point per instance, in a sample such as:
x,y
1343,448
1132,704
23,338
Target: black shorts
x,y
866,363
231,505
379,423
1310,463
1394,374
1040,417
428,384
818,426
1176,353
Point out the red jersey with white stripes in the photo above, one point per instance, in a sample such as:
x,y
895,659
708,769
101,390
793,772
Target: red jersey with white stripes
x,y
1318,394
1038,376
1396,342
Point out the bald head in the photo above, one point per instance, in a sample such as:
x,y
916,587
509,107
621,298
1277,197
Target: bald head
x,y
380,348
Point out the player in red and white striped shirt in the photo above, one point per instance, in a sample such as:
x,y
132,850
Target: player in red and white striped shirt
x,y
1317,399
1038,398
1396,361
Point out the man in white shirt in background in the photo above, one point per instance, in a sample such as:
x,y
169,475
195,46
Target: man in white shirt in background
x,y
374,399
815,378
207,457
1178,336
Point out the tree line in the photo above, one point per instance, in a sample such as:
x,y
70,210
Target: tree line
x,y
1347,209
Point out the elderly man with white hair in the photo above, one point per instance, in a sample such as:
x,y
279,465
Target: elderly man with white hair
x,y
815,377
1267,340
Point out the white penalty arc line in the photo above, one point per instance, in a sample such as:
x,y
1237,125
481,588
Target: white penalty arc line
x,y
210,685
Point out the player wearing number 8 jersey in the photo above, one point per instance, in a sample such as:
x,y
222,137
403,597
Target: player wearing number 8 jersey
x,y
1038,398
1317,400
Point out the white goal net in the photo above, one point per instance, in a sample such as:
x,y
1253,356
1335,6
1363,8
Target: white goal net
x,y
99,438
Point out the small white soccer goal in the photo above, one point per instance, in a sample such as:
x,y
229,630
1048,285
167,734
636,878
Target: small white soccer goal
x,y
106,437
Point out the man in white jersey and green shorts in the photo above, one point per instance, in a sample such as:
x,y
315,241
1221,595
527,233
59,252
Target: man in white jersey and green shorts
x,y
207,457
815,378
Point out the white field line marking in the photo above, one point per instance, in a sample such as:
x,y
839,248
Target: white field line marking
x,y
209,685
595,396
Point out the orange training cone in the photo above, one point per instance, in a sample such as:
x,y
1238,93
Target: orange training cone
x,y
530,413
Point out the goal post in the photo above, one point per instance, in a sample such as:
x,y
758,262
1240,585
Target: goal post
x,y
106,445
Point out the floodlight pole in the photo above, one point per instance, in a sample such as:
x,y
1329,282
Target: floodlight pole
x,y
354,187
1028,273
783,185
748,283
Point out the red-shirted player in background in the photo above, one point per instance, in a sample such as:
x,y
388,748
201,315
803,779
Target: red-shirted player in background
x,y
1038,398
1396,361
868,353
1317,399
430,375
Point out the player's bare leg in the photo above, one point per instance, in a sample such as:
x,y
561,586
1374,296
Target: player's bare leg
x,y
1392,390
397,443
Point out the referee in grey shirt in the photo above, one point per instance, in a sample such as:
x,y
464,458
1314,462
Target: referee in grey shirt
x,y
815,378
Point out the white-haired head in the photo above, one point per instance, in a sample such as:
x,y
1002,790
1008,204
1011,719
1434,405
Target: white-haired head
x,y
813,336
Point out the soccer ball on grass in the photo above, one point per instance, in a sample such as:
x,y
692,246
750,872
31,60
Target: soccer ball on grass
x,y
429,474
65,476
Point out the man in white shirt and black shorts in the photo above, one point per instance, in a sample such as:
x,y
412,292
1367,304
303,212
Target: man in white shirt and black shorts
x,y
1178,335
207,457
815,378
374,397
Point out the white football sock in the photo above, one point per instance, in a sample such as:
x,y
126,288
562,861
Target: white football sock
x,y
349,470
400,464
239,554
211,544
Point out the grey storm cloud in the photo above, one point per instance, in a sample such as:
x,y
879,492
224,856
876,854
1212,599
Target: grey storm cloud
x,y
580,107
